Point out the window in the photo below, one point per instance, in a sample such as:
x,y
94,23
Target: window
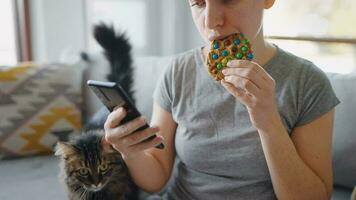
x,y
15,37
318,30
8,47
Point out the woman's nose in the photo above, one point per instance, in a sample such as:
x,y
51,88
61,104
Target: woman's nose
x,y
214,16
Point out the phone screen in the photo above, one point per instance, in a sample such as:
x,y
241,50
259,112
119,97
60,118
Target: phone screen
x,y
109,98
113,98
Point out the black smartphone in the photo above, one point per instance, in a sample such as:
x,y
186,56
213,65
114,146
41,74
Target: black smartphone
x,y
111,95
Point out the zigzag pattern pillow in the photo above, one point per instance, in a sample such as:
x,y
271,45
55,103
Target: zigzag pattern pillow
x,y
39,105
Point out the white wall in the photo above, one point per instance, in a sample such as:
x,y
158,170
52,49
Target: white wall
x,y
62,29
166,26
58,29
178,28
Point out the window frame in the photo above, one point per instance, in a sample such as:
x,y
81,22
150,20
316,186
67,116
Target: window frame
x,y
314,39
23,30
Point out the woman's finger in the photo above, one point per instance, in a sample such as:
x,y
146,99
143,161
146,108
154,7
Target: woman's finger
x,y
243,83
114,118
246,73
240,94
246,64
113,135
129,127
147,144
140,136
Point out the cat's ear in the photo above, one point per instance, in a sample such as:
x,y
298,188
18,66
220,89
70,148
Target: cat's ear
x,y
65,150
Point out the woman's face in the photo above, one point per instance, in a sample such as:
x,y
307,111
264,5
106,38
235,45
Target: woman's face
x,y
216,19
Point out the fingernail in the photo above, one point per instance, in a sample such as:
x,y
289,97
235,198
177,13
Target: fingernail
x,y
224,71
120,109
143,119
160,137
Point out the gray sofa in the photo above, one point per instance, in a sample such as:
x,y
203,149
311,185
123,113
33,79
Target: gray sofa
x,y
36,177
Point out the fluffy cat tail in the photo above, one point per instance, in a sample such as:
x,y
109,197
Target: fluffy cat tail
x,y
117,50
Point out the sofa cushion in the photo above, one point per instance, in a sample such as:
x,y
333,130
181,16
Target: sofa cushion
x,y
39,105
344,136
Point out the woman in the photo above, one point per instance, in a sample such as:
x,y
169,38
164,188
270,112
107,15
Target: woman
x,y
265,132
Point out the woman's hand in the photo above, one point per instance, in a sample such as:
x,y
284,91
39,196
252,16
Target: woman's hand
x,y
121,137
254,88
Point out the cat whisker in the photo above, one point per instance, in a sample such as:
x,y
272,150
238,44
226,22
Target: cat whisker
x,y
77,188
82,194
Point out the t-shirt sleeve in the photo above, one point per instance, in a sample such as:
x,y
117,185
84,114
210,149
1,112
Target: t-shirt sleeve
x,y
317,97
162,94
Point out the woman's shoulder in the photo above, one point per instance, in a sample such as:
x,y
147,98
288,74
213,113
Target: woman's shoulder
x,y
182,63
286,64
185,58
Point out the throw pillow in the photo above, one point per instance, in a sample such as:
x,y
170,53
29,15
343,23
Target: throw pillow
x,y
39,105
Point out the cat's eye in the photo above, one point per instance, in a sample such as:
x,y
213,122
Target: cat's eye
x,y
83,172
103,168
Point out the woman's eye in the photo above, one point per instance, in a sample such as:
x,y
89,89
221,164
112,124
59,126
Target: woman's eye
x,y
198,4
227,1
231,2
83,172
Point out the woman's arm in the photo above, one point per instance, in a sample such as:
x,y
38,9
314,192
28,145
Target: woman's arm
x,y
151,168
301,166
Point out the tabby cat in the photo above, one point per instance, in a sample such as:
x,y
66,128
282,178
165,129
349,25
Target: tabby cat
x,y
92,172
89,170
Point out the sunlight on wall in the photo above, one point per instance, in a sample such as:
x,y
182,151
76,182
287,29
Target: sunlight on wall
x,y
8,54
319,18
334,58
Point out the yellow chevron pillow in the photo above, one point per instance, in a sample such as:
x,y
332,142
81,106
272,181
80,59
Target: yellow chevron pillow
x,y
39,105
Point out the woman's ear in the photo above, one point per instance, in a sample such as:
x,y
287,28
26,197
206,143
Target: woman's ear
x,y
268,3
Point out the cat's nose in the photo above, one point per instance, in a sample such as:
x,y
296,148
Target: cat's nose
x,y
96,185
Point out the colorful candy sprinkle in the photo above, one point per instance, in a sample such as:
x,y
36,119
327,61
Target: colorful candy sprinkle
x,y
225,53
224,61
244,49
227,42
239,55
237,41
216,45
245,41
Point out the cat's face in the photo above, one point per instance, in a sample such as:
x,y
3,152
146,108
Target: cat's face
x,y
95,174
89,166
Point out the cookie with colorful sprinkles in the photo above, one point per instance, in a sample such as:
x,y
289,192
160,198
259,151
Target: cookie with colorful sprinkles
x,y
233,47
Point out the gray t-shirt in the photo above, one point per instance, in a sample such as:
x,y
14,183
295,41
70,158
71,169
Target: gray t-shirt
x,y
219,152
